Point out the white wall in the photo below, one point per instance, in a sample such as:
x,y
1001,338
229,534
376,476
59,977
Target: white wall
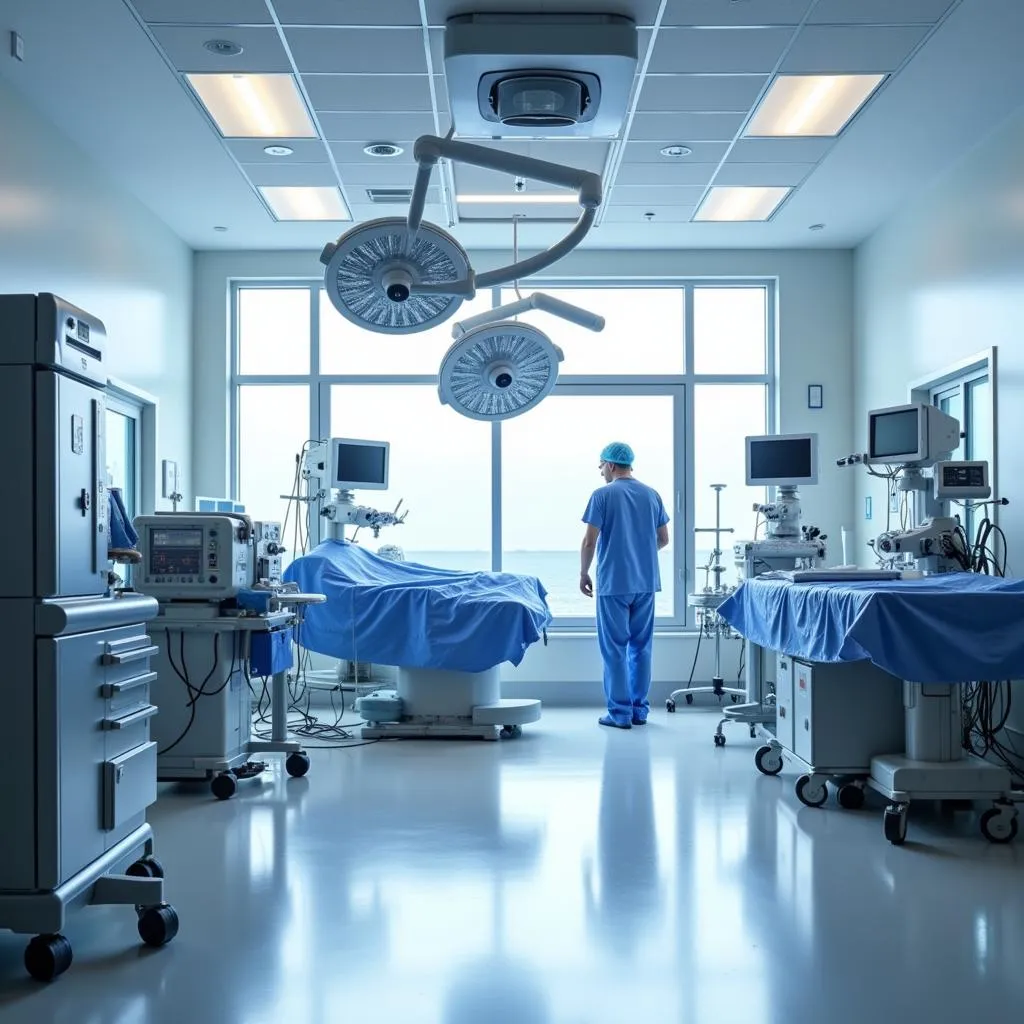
x,y
940,282
64,228
815,317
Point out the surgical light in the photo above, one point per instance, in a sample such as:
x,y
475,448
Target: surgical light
x,y
400,276
500,368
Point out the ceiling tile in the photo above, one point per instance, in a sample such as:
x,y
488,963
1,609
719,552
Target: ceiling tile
x,y
879,12
767,151
350,12
290,174
363,128
382,173
669,128
652,196
719,51
363,210
642,11
666,173
701,92
635,214
763,174
588,154
480,179
377,92
729,12
352,153
649,152
261,49
202,12
250,151
365,51
828,49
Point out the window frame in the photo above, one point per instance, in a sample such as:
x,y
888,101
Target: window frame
x,y
680,385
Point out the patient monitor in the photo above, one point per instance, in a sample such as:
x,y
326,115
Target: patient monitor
x,y
783,461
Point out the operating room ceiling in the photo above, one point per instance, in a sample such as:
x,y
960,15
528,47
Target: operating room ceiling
x,y
111,74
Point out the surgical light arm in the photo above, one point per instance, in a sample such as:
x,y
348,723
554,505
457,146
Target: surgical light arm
x,y
538,300
430,148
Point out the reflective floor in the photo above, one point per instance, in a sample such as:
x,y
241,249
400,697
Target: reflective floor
x,y
577,875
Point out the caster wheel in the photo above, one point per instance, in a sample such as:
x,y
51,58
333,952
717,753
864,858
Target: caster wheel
x,y
511,732
719,740
670,706
148,867
809,792
768,761
224,786
997,826
895,824
297,764
689,698
158,925
47,957
851,797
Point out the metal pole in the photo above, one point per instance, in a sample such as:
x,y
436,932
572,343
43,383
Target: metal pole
x,y
279,707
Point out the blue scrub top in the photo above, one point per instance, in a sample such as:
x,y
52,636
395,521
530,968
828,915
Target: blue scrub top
x,y
627,513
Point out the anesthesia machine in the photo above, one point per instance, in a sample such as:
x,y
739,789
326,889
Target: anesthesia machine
x,y
785,462
872,666
224,618
78,760
446,632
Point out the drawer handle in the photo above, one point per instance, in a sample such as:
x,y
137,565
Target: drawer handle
x,y
115,689
123,658
133,719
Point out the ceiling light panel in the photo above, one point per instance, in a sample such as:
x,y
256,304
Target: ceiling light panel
x,y
254,106
810,105
519,198
322,203
741,203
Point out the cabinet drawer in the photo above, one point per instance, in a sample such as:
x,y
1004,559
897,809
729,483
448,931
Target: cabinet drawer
x,y
129,785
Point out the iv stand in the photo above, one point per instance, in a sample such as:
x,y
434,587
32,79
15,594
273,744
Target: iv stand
x,y
706,602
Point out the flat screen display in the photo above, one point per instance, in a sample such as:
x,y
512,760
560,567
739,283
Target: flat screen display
x,y
782,459
177,552
361,463
894,434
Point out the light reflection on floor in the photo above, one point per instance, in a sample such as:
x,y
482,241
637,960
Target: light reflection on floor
x,y
575,876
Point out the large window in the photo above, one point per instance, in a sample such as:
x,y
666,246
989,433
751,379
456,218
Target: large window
x,y
682,371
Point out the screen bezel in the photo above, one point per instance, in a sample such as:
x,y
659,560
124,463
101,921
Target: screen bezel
x,y
796,481
359,485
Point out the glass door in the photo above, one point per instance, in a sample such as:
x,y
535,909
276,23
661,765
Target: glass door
x,y
123,442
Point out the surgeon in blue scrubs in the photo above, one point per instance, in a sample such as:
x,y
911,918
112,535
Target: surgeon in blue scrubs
x,y
626,526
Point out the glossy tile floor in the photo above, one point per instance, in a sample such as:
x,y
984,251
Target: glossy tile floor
x,y
576,875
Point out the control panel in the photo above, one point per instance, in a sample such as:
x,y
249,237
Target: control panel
x,y
269,549
194,556
961,480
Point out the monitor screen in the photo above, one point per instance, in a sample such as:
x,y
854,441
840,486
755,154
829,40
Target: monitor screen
x,y
176,552
894,434
781,458
365,464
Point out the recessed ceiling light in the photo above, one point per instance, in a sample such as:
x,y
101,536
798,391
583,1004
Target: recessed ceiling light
x,y
676,151
254,106
219,227
223,47
811,105
383,149
306,202
278,150
816,227
565,198
741,203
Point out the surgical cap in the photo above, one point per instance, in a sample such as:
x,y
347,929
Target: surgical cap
x,y
617,452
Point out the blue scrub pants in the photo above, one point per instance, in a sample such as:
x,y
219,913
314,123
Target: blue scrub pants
x,y
625,632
